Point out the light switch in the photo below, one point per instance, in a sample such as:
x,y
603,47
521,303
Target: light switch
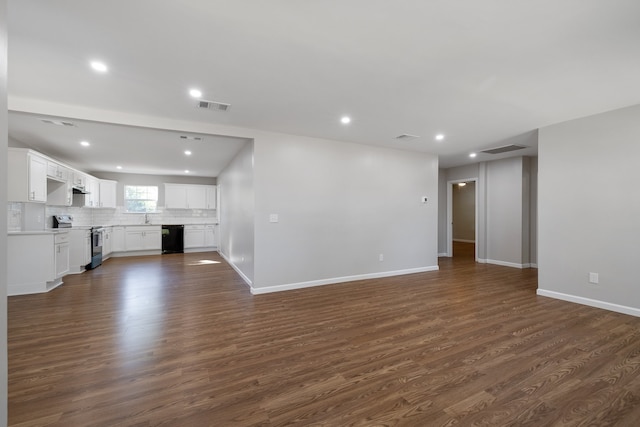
x,y
273,218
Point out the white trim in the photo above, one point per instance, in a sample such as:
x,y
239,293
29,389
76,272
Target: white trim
x,y
534,265
632,311
464,241
312,283
443,254
506,264
200,249
481,261
240,273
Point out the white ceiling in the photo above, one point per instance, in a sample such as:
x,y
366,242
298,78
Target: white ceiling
x,y
483,72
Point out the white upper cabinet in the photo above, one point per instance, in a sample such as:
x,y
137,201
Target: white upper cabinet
x,y
189,196
79,179
92,186
211,196
26,176
107,193
196,197
175,196
57,171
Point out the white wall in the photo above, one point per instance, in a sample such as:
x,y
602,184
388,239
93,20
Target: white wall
x,y
237,207
3,213
589,210
507,206
340,206
464,212
504,194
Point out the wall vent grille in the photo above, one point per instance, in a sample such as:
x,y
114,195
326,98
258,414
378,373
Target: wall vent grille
x,y
191,138
503,149
58,122
214,105
406,137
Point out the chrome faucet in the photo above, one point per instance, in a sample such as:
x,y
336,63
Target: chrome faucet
x,y
146,219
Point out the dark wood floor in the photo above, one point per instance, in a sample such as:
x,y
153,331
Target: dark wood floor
x,y
177,340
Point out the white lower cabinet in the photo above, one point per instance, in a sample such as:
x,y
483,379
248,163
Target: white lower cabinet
x,y
107,239
117,239
79,249
36,261
193,236
143,238
209,236
199,236
61,254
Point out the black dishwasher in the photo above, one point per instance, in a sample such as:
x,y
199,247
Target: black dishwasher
x,y
172,239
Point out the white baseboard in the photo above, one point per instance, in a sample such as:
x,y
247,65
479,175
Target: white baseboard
x,y
464,241
534,265
590,302
312,283
505,263
443,254
235,267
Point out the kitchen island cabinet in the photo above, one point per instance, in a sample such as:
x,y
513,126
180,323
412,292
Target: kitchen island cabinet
x,y
36,261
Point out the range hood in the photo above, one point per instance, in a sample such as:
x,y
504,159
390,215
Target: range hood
x,y
80,190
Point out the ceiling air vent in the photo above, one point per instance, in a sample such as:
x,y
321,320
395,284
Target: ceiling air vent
x,y
406,137
213,105
504,149
191,138
57,122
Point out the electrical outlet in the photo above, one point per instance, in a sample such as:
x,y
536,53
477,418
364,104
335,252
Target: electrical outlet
x,y
273,218
593,278
381,257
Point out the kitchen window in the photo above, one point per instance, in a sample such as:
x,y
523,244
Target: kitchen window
x,y
140,198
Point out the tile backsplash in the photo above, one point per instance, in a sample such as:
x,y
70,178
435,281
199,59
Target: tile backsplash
x,y
28,216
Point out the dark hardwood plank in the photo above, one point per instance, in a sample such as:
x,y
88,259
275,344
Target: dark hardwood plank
x,y
170,340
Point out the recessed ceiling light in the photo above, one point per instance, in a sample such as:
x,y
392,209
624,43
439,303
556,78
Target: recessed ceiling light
x,y
187,152
85,143
345,120
98,66
118,167
195,93
472,155
462,184
186,171
439,137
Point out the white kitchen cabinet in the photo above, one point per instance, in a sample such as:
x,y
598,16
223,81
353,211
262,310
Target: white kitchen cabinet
x,y
92,186
210,196
175,196
194,236
143,238
209,236
61,254
26,176
79,249
107,246
117,240
186,196
196,197
57,171
107,190
199,236
34,264
78,179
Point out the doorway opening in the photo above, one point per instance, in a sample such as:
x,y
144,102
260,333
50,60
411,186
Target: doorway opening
x,y
462,214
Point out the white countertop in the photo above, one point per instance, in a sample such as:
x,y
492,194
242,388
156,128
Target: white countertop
x,y
35,232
